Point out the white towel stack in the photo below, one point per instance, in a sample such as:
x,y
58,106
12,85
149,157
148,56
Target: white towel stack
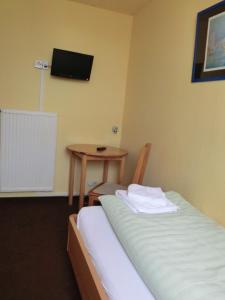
x,y
144,199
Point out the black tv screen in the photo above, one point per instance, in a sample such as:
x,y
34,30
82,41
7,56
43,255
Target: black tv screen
x,y
71,64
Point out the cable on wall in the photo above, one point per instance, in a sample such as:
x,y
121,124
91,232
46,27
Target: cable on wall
x,y
42,66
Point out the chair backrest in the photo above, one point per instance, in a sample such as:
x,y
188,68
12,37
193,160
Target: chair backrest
x,y
141,164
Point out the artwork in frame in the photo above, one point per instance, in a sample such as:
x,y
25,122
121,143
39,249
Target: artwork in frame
x,y
209,54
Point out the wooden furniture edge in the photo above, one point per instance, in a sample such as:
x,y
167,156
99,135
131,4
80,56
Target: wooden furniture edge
x,y
87,278
83,152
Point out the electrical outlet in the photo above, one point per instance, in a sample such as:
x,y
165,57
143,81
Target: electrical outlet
x,y
38,64
45,64
115,129
41,64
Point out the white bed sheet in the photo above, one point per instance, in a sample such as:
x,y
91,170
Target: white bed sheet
x,y
117,274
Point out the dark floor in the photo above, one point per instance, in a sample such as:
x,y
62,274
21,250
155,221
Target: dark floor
x,y
33,258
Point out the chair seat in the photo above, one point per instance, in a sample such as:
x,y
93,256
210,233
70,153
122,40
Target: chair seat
x,y
108,188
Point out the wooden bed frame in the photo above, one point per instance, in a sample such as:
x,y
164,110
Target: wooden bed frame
x,y
87,278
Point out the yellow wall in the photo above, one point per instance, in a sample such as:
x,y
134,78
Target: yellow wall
x,y
29,30
185,121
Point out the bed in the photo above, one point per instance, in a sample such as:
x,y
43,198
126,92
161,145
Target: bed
x,y
89,259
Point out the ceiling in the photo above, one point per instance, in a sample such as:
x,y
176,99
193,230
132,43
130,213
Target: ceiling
x,y
123,6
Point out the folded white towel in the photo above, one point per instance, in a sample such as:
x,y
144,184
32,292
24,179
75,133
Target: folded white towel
x,y
147,194
144,207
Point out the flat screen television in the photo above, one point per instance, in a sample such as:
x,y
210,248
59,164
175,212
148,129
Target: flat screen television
x,y
71,64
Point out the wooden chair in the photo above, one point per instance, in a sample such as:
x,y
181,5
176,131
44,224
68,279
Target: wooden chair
x,y
108,188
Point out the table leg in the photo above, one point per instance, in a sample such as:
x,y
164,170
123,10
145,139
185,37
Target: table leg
x,y
121,170
71,178
105,171
82,180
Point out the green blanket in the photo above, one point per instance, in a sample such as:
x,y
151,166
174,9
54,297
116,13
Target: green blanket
x,y
180,256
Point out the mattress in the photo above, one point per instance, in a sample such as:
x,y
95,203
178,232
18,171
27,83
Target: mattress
x,y
116,272
183,251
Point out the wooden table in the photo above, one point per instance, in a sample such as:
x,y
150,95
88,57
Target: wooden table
x,y
86,152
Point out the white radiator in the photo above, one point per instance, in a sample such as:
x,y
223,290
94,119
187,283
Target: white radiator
x,y
27,150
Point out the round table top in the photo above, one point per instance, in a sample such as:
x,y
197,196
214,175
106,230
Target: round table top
x,y
90,149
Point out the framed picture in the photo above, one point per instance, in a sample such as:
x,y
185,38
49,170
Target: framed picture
x,y
209,54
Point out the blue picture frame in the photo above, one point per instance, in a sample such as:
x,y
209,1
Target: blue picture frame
x,y
209,52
